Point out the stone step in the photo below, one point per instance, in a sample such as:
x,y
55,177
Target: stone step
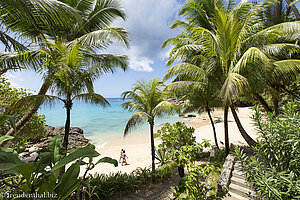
x,y
244,192
234,196
238,165
239,174
239,181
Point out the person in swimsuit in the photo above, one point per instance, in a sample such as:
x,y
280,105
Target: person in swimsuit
x,y
121,156
124,156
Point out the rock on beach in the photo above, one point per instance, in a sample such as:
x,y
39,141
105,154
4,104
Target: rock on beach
x,y
76,139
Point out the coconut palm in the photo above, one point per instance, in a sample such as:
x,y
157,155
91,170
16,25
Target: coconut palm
x,y
203,101
91,31
75,81
148,101
236,51
293,7
29,19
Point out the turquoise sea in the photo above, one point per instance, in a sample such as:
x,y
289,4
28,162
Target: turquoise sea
x,y
96,121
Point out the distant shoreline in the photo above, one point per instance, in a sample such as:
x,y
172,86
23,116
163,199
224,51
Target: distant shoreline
x,y
137,144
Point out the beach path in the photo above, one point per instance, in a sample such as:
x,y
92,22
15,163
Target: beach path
x,y
161,191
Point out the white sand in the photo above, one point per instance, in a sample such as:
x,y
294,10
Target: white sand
x,y
137,144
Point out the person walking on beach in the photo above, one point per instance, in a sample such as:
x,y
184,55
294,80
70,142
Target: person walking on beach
x,y
121,156
124,156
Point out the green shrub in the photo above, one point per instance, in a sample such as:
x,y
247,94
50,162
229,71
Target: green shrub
x,y
175,136
179,143
34,129
165,171
114,183
43,175
145,175
193,185
274,168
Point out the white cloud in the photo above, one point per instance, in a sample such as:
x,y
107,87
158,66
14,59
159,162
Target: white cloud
x,y
14,78
148,23
141,64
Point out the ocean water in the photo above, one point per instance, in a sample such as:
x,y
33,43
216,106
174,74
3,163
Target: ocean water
x,y
96,121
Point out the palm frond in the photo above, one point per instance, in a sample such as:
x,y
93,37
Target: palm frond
x,y
102,37
286,70
102,13
185,86
10,43
233,87
135,120
19,60
93,98
131,106
31,100
165,107
35,17
252,55
186,70
105,63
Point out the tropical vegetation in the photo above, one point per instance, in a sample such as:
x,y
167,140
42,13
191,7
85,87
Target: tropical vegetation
x,y
274,167
42,175
34,129
229,50
227,54
148,100
179,144
55,29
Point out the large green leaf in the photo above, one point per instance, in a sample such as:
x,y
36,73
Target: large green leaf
x,y
5,137
8,160
80,152
54,147
47,183
26,169
43,160
68,182
108,160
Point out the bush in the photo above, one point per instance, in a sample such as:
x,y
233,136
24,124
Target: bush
x,y
193,185
34,129
175,136
179,143
274,168
43,175
113,183
165,171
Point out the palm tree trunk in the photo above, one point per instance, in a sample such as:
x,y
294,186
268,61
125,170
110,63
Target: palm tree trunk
x,y
152,150
23,121
263,102
246,137
68,105
67,125
213,126
276,105
295,10
226,130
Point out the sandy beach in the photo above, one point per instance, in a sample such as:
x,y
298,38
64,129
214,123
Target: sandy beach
x,y
137,144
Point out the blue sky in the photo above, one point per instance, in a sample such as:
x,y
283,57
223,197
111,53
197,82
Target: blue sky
x,y
148,23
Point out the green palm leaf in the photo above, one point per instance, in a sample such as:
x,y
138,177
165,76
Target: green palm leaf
x,y
135,120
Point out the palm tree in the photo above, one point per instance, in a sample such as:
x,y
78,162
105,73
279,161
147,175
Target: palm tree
x,y
295,10
75,81
91,30
235,49
148,101
203,101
